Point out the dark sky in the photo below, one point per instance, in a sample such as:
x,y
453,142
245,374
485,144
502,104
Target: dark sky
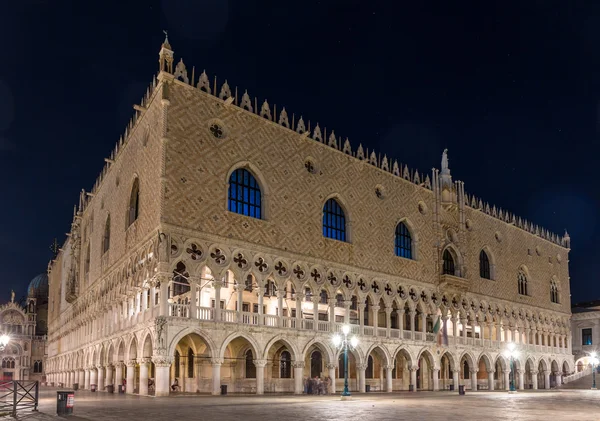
x,y
511,88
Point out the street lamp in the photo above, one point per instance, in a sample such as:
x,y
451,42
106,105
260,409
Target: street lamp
x,y
344,343
594,359
512,354
4,340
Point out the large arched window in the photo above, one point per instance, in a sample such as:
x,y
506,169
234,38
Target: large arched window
x,y
553,291
106,238
285,364
181,284
250,367
448,263
134,203
403,242
522,282
244,194
334,221
484,265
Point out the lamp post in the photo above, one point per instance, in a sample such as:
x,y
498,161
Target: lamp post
x,y
4,340
512,353
344,343
594,359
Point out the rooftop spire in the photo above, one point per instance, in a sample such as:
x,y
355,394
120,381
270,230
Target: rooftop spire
x,y
445,169
165,43
165,56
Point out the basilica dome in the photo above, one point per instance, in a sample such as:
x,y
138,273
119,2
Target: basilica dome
x,y
38,288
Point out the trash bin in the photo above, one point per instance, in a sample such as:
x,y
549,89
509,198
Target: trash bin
x,y
92,387
411,388
451,387
75,386
223,389
65,400
367,388
461,389
110,388
121,388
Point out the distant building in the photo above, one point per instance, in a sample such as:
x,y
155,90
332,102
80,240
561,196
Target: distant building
x,y
24,358
585,329
226,241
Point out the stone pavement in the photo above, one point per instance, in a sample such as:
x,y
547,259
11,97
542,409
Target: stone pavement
x,y
571,405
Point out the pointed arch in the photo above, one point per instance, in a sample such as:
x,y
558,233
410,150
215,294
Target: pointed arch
x,y
250,339
322,347
487,264
426,353
451,261
487,360
106,236
210,345
295,354
134,202
335,220
381,352
405,240
523,280
247,191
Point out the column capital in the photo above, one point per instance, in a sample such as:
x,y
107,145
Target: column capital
x,y
361,306
534,373
347,304
331,366
131,363
217,284
492,371
315,299
162,361
389,309
298,364
473,371
361,367
216,361
388,367
144,360
260,363
414,368
119,364
300,296
331,301
375,308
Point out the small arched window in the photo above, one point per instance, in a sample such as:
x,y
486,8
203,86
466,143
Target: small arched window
x,y
134,203
244,194
484,265
190,363
334,221
522,282
181,284
448,263
403,242
250,367
553,291
106,238
285,364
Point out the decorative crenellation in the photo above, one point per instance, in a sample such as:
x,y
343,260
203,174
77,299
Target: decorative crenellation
x,y
511,219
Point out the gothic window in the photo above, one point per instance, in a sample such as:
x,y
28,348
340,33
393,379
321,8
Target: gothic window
x,y
244,194
37,367
134,203
190,363
586,336
106,238
270,289
323,297
334,221
86,266
181,285
316,364
484,265
448,263
285,364
403,242
250,367
369,371
522,283
553,291
177,362
248,283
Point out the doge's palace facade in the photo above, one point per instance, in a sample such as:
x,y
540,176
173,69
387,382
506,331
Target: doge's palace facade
x,y
224,243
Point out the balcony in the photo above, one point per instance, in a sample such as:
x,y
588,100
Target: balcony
x,y
449,282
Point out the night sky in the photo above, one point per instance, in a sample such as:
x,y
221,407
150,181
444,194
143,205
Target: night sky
x,y
511,88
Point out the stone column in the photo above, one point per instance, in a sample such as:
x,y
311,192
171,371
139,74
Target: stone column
x,y
331,368
413,377
315,301
361,318
491,380
506,379
193,304
534,380
412,323
473,380
109,375
490,327
347,305
164,296
118,374
547,379
455,379
299,299
521,374
455,327
279,308
81,379
261,298
217,286
558,378
375,319
162,366
216,375
94,376
240,302
332,302
130,376
436,380
260,376
388,319
401,322
362,379
143,390
298,377
100,377
463,322
86,384
424,324
527,331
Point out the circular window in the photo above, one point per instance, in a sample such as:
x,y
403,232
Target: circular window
x,y
469,224
538,251
310,166
423,208
379,191
498,236
217,130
